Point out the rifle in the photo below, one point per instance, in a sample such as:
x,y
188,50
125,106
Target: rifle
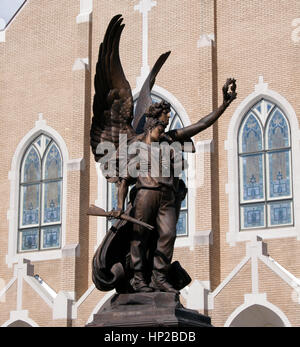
x,y
98,211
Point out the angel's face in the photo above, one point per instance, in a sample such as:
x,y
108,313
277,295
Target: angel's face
x,y
164,118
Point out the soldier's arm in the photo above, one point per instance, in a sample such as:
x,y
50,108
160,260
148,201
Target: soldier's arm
x,y
122,193
204,123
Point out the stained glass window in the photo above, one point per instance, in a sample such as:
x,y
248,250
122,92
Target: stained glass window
x,y
40,196
32,166
278,131
30,195
182,223
176,123
112,201
251,135
252,177
265,168
52,162
8,10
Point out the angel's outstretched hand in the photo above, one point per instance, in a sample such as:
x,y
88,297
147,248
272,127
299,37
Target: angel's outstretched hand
x,y
229,95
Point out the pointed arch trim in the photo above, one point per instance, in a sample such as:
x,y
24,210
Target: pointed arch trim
x,y
262,91
261,300
41,127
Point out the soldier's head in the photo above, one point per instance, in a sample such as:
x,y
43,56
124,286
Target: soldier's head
x,y
158,114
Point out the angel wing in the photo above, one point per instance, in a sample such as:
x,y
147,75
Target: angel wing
x,y
113,103
144,100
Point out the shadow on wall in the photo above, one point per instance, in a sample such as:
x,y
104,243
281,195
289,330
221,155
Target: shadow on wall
x,y
19,324
257,316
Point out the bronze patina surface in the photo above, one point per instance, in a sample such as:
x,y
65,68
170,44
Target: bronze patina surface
x,y
135,258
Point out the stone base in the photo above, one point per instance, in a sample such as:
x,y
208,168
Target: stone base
x,y
157,309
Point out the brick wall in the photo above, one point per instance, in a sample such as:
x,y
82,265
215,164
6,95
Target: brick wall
x,y
36,76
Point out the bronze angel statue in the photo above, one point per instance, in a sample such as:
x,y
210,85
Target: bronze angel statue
x,y
136,253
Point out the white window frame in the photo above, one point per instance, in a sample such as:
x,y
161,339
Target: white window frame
x,y
13,256
42,224
234,234
3,31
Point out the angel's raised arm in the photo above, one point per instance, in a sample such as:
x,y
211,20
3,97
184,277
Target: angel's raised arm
x,y
186,133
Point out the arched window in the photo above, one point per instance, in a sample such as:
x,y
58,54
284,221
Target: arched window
x,y
40,196
112,200
182,224
264,145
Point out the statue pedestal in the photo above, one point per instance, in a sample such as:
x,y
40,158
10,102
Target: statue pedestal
x,y
157,309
